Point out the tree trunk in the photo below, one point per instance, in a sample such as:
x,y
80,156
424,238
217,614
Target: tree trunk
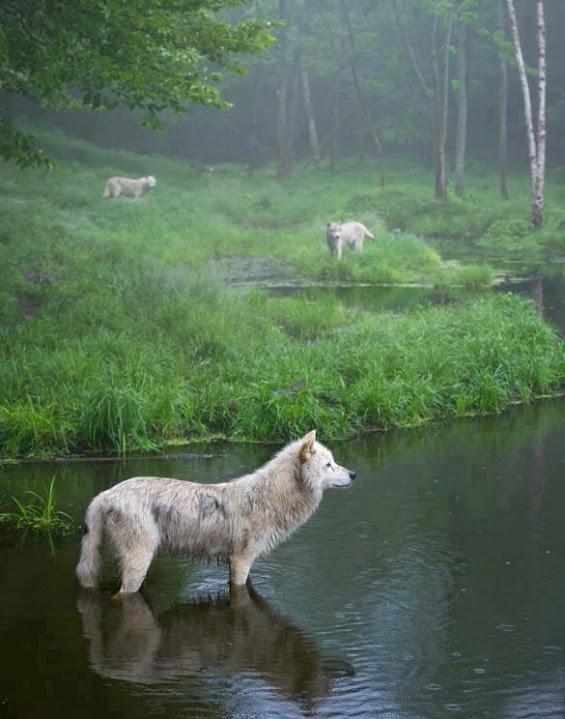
x,y
293,102
441,100
309,112
503,114
306,94
461,137
536,145
436,96
538,204
253,128
284,167
375,135
334,146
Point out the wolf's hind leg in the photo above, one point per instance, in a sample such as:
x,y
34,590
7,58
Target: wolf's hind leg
x,y
134,568
135,557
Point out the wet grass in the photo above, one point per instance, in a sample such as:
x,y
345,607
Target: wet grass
x,y
482,217
59,221
37,513
201,359
133,339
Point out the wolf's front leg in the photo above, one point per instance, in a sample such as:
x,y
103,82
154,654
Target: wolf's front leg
x,y
240,567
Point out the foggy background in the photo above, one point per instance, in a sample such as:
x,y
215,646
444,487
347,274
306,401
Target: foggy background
x,y
314,35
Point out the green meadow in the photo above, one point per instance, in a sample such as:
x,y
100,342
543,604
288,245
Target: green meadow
x,y
120,329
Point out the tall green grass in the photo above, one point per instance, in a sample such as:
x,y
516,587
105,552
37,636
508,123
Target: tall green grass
x,y
38,513
247,366
135,340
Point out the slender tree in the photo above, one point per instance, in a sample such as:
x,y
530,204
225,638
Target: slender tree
x,y
285,150
536,133
461,134
363,106
309,112
441,103
436,95
502,110
306,92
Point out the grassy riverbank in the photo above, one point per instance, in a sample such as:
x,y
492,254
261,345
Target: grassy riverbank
x,y
149,363
119,332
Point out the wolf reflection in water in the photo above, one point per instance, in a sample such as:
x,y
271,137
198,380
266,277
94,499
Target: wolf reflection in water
x,y
239,633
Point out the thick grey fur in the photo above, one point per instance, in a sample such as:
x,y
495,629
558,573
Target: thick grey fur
x,y
346,234
128,187
235,521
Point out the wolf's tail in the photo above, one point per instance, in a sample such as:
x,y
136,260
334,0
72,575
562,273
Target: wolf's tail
x,y
90,561
369,234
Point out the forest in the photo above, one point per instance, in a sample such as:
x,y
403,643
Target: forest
x,y
434,80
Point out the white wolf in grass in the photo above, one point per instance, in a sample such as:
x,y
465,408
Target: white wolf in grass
x,y
235,521
347,234
126,187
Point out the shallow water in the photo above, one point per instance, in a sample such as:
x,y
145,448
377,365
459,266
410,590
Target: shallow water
x,y
435,586
546,289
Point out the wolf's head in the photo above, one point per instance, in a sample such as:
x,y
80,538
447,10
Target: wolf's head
x,y
318,467
333,231
150,181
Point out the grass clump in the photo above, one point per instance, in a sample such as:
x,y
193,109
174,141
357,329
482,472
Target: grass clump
x,y
473,277
38,513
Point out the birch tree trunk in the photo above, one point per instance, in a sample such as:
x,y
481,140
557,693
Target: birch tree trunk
x,y
539,199
461,136
536,143
503,114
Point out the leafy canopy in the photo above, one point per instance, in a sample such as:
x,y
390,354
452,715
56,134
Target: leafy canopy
x,y
148,55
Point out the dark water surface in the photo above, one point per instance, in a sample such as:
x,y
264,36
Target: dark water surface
x,y
435,586
546,289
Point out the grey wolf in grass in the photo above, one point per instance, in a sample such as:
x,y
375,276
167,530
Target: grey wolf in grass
x,y
125,187
347,234
235,521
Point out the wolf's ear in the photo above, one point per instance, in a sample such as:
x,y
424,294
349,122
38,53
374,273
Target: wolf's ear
x,y
307,446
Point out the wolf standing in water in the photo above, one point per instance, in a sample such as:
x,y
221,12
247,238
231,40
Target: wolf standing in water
x,y
235,521
346,234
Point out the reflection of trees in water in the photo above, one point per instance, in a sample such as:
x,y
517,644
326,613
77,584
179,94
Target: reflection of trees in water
x,y
236,635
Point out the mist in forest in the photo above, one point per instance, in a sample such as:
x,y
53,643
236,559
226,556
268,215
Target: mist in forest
x,y
359,79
